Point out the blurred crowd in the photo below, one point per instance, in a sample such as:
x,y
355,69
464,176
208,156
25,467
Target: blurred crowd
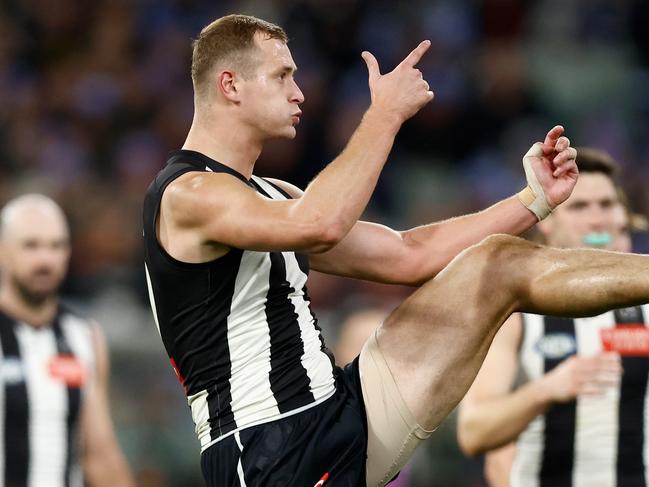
x,y
94,94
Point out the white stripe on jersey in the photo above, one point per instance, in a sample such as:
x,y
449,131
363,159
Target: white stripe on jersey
x,y
242,480
152,298
314,360
596,416
201,415
47,406
250,358
529,448
48,398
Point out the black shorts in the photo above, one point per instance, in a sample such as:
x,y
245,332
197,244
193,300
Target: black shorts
x,y
325,443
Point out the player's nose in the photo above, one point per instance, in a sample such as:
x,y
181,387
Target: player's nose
x,y
297,96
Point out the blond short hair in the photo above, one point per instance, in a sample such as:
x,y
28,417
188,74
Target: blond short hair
x,y
229,39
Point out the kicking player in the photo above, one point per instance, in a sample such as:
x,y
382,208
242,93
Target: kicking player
x,y
228,254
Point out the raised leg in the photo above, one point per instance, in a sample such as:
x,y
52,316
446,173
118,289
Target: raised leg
x,y
436,341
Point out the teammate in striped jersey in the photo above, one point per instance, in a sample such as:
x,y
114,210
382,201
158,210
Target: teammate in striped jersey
x,y
576,420
228,253
54,421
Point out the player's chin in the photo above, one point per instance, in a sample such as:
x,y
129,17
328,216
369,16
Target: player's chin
x,y
286,133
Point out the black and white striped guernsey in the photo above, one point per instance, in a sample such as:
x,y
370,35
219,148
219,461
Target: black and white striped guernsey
x,y
595,440
43,372
239,330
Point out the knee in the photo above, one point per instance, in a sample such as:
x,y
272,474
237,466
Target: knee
x,y
500,253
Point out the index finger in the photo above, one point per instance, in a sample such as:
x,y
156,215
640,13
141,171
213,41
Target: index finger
x,y
415,55
553,135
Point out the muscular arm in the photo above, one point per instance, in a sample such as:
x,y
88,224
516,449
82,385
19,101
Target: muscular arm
x,y
220,208
412,257
206,210
103,462
377,253
490,415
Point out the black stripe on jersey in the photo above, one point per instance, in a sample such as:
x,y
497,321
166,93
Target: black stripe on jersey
x,y
16,411
290,384
74,402
633,389
283,193
215,342
559,434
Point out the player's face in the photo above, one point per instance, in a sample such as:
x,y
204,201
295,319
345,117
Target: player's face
x,y
588,217
35,254
271,97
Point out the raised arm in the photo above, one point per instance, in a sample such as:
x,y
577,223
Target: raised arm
x,y
218,208
412,257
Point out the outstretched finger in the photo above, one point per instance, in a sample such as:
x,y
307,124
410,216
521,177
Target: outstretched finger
x,y
551,138
372,65
415,55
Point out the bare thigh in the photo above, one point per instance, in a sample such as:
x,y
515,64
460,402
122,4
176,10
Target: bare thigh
x,y
436,341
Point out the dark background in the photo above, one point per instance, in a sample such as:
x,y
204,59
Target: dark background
x,y
93,94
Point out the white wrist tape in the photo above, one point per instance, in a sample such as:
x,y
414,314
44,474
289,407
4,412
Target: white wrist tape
x,y
533,196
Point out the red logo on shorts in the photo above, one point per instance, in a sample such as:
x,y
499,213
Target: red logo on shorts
x,y
629,340
321,482
68,369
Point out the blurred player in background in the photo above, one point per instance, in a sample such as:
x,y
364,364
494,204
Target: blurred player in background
x,y
55,423
579,415
228,254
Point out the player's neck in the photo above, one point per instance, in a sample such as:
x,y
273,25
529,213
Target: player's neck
x,y
37,315
230,144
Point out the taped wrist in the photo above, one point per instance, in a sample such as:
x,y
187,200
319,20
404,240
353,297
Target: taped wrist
x,y
533,196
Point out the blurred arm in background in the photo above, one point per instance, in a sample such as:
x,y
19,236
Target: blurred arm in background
x,y
102,460
491,415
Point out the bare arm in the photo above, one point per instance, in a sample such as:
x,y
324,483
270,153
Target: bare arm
x,y
498,465
103,461
492,416
377,253
217,208
412,257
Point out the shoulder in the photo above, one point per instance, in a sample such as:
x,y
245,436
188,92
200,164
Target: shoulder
x,y
194,195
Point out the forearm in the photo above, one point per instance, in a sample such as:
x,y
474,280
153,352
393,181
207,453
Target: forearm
x,y
340,193
108,470
496,422
438,243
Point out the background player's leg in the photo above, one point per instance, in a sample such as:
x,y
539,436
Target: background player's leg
x,y
436,341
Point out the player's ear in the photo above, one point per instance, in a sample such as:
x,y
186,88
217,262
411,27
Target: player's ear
x,y
228,85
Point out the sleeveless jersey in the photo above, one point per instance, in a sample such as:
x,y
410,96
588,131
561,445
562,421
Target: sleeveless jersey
x,y
43,375
595,440
239,330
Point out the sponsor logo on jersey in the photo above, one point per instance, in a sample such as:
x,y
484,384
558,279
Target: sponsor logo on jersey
x,y
629,339
556,346
12,371
68,369
322,481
